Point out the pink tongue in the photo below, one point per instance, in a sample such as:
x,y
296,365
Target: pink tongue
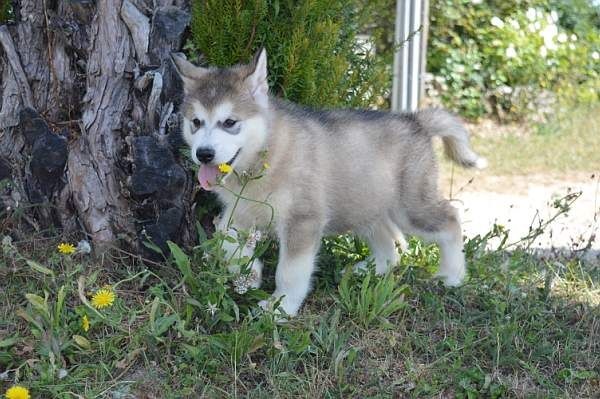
x,y
207,176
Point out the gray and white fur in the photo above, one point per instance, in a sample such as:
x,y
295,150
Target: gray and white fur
x,y
331,171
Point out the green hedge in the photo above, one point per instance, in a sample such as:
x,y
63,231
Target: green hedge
x,y
313,56
515,58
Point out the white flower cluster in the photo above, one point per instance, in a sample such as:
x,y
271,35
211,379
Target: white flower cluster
x,y
539,22
243,282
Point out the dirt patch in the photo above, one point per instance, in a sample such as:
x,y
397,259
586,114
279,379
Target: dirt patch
x,y
521,203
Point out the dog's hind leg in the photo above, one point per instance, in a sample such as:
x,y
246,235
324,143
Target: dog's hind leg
x,y
382,239
438,222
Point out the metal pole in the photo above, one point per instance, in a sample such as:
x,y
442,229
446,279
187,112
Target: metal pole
x,y
407,57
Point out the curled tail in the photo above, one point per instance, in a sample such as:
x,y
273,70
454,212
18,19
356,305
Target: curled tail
x,y
437,122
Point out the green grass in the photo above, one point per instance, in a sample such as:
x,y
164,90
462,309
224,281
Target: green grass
x,y
520,327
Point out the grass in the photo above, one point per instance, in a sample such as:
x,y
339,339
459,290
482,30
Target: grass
x,y
561,148
520,327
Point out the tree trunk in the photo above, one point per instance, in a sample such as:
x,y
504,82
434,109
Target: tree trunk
x,y
88,121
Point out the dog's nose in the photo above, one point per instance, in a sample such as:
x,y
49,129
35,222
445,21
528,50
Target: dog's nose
x,y
205,154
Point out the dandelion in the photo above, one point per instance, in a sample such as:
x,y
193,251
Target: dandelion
x,y
497,22
103,298
17,392
85,323
225,168
66,248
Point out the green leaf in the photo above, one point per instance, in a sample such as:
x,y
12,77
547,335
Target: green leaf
x,y
39,268
183,264
82,341
8,342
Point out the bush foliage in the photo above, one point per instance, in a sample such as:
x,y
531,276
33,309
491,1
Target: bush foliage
x,y
314,57
517,57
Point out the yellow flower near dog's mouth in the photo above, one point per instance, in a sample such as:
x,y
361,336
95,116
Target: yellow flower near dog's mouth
x,y
103,298
225,168
66,248
17,392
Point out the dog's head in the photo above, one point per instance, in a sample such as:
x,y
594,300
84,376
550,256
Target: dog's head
x,y
224,112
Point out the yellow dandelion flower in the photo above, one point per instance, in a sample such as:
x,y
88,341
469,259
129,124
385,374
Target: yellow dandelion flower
x,y
103,298
266,165
17,392
85,323
225,168
66,248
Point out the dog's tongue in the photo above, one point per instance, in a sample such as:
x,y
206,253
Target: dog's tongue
x,y
207,176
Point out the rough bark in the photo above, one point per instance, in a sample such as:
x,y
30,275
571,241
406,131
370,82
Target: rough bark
x,y
88,120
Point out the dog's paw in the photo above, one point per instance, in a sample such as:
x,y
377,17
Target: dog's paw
x,y
361,267
450,280
280,305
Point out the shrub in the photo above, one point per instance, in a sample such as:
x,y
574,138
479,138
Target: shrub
x,y
514,57
314,58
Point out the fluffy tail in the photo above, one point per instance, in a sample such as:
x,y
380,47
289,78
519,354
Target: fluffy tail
x,y
437,122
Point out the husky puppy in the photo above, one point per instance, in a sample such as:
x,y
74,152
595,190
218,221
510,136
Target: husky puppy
x,y
330,171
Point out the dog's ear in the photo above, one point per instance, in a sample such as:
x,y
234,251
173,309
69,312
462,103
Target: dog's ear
x,y
257,79
187,71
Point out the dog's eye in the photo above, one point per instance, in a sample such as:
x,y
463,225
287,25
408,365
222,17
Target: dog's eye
x,y
197,123
229,123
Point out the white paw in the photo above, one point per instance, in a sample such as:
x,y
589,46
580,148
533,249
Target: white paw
x,y
361,267
454,280
285,306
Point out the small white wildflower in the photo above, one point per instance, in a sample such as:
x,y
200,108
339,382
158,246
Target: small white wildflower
x,y
595,55
243,282
531,14
84,247
505,89
543,51
562,38
514,24
212,308
253,239
571,46
537,25
574,37
554,16
460,68
476,2
497,22
511,52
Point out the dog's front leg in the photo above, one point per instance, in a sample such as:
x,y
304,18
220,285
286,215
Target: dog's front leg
x,y
299,240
